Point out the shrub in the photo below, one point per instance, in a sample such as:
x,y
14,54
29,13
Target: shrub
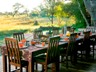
x,y
35,22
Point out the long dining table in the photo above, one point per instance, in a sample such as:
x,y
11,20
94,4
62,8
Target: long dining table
x,y
29,52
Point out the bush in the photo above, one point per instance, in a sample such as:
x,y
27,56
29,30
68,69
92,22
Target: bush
x,y
35,22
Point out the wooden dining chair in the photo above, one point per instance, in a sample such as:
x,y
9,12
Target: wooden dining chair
x,y
86,43
69,28
44,38
55,31
84,48
68,48
90,28
71,50
19,36
92,44
37,33
52,54
14,56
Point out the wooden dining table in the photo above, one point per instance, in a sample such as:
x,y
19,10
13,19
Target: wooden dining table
x,y
28,53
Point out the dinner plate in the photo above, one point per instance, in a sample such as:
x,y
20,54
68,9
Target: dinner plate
x,y
40,46
24,47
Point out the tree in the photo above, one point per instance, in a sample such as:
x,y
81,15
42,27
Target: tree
x,y
17,7
43,11
59,13
50,8
82,12
26,12
60,10
71,9
34,13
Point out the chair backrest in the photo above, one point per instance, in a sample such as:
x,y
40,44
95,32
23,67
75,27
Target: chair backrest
x,y
86,40
19,36
53,50
55,31
71,44
90,28
86,35
93,39
69,28
13,51
37,33
72,37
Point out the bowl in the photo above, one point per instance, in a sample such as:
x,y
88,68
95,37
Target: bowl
x,y
33,42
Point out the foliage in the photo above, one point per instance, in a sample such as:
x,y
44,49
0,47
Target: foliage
x,y
71,9
35,22
8,33
43,11
66,13
59,13
34,13
50,8
84,12
17,7
10,24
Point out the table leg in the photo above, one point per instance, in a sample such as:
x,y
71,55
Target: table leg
x,y
57,67
31,65
4,58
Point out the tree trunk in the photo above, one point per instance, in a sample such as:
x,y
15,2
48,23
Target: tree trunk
x,y
52,19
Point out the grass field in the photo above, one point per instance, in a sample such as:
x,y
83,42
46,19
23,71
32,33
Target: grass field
x,y
22,23
9,25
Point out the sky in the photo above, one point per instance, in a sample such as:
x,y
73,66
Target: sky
x,y
6,5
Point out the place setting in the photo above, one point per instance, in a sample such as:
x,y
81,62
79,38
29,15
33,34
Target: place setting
x,y
38,43
42,45
23,44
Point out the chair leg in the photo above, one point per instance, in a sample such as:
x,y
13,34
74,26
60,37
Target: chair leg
x,y
53,67
36,66
26,68
15,67
62,58
93,52
21,69
9,67
71,58
66,61
81,54
87,53
45,68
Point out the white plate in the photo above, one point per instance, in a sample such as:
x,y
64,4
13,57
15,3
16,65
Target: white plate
x,y
40,46
24,47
